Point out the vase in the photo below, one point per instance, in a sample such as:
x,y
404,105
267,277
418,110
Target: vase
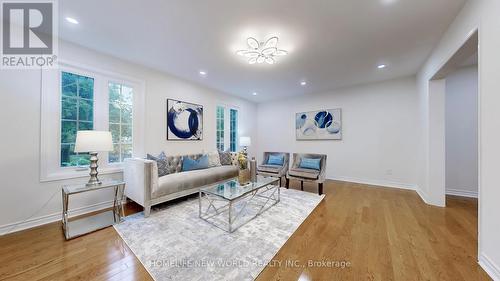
x,y
253,170
243,176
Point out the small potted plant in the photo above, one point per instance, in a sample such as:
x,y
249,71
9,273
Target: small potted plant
x,y
244,172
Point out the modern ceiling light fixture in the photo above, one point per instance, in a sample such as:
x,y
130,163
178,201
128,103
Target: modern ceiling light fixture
x,y
381,66
260,52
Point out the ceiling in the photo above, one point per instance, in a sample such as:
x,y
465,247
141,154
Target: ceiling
x,y
331,43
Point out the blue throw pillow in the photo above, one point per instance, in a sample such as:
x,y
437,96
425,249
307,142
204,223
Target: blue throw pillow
x,y
310,163
275,160
189,164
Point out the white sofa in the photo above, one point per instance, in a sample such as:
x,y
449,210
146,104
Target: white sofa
x,y
144,187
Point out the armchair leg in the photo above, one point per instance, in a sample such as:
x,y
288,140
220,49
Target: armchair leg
x,y
320,188
280,181
302,185
287,183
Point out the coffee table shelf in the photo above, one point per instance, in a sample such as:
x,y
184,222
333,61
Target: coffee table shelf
x,y
229,205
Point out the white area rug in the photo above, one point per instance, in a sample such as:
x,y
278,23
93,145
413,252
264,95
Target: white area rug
x,y
175,244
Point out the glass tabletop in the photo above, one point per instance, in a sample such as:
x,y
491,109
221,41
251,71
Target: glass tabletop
x,y
79,188
232,189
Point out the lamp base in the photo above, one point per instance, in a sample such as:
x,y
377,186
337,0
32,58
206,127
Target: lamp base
x,y
93,181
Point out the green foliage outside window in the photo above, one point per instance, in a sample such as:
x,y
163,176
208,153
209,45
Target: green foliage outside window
x,y
77,113
120,121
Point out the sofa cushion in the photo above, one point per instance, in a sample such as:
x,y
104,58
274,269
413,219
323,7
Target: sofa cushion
x,y
269,168
310,163
162,163
276,159
213,159
189,164
225,157
304,173
193,179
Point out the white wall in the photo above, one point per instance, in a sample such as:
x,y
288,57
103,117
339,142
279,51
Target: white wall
x,y
481,14
461,132
379,124
25,197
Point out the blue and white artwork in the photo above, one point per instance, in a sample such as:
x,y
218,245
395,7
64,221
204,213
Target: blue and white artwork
x,y
319,125
184,120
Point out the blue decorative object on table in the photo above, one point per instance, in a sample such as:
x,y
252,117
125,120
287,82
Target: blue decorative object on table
x,y
184,120
310,163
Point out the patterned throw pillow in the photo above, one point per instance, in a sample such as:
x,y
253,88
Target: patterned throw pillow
x,y
225,158
162,163
213,159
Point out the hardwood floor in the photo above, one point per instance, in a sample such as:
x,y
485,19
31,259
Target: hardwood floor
x,y
378,234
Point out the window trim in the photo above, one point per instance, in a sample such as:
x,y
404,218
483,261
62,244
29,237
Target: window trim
x,y
50,118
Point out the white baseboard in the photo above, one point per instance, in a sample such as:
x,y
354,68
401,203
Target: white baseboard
x,y
381,183
463,193
423,196
33,222
490,267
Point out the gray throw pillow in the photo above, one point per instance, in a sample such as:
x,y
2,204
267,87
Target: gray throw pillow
x,y
225,157
162,163
213,159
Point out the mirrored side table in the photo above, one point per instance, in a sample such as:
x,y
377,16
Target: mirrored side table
x,y
80,225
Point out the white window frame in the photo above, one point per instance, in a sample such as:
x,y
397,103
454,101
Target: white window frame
x,y
50,119
227,125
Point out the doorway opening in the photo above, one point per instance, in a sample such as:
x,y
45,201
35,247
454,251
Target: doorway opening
x,y
454,117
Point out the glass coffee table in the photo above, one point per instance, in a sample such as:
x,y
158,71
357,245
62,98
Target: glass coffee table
x,y
229,205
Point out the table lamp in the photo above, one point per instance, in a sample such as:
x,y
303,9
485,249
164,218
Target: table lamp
x,y
245,142
93,142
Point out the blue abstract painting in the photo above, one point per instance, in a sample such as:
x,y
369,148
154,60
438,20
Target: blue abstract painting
x,y
319,125
184,120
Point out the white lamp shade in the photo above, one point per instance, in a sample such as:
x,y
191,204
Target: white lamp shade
x,y
245,141
93,141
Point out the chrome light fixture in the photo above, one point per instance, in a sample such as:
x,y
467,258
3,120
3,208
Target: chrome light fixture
x,y
260,52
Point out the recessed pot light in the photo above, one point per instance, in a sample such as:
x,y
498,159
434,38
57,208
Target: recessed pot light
x,y
254,94
203,73
71,20
303,83
380,66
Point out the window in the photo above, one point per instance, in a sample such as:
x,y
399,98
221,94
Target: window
x,y
227,138
77,113
220,128
78,97
233,129
120,121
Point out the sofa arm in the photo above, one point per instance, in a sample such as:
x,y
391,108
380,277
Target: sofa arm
x,y
322,174
140,176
